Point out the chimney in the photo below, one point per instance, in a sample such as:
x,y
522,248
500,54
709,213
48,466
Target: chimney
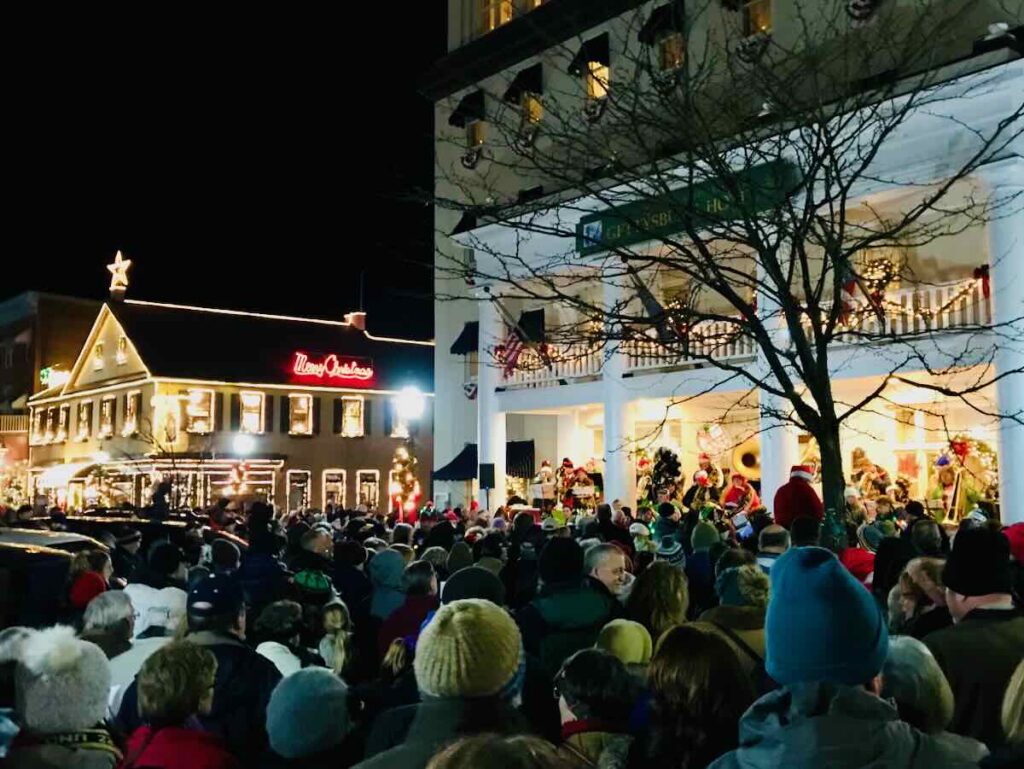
x,y
356,319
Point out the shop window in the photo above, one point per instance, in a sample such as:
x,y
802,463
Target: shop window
x,y
132,406
476,134
334,487
597,75
298,489
122,350
352,417
757,17
84,428
97,356
671,51
368,488
63,417
493,13
253,417
199,412
300,414
107,416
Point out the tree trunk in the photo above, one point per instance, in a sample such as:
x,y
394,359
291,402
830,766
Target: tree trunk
x,y
833,483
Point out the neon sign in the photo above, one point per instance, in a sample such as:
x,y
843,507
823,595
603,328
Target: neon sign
x,y
332,367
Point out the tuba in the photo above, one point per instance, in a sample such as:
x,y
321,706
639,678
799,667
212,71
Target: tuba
x,y
746,459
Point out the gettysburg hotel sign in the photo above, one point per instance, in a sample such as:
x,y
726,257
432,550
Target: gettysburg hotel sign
x,y
331,370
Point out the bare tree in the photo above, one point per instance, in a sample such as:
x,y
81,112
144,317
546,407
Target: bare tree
x,y
714,191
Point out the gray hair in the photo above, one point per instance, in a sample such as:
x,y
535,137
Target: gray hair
x,y
595,554
108,609
913,678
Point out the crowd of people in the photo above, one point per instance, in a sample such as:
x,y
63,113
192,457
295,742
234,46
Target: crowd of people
x,y
469,639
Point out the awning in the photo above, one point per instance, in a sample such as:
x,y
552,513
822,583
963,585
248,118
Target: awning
x,y
468,341
470,109
595,49
531,326
665,18
529,80
519,462
58,476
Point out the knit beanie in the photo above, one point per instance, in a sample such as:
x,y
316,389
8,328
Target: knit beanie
x,y
742,586
469,649
86,586
704,536
561,561
61,682
164,558
627,640
822,625
869,536
307,713
666,510
979,563
473,582
459,557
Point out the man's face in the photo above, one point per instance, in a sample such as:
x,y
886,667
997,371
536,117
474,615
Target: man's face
x,y
132,547
617,505
324,546
611,572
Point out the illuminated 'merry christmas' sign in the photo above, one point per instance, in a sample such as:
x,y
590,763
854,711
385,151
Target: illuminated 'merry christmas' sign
x,y
331,367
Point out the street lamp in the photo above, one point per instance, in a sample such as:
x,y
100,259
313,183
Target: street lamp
x,y
244,444
410,403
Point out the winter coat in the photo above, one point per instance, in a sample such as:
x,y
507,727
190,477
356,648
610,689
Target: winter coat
x,y
385,571
124,667
156,607
796,498
86,749
666,527
351,583
700,576
263,578
813,725
176,748
284,659
241,692
587,744
432,725
126,564
405,620
743,628
929,622
978,656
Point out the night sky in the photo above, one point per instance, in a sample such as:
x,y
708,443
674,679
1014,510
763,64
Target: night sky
x,y
243,162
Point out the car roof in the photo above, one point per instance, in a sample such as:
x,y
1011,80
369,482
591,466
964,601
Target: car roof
x,y
66,541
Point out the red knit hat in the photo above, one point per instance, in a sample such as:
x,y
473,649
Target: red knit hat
x,y
1015,534
86,586
802,471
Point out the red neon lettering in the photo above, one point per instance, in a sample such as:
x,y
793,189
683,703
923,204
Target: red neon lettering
x,y
330,367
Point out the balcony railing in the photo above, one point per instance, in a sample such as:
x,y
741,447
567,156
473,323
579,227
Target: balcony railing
x,y
718,340
570,361
13,423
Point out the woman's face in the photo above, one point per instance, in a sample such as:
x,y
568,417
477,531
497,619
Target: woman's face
x,y
908,603
108,570
737,483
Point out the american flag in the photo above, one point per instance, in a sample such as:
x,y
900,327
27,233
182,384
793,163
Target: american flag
x,y
512,347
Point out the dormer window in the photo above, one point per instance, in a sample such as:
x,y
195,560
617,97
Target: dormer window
x,y
97,356
122,350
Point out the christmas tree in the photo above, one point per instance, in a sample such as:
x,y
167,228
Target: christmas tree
x,y
666,471
404,488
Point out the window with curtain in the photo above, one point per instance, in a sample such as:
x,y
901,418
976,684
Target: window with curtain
x,y
253,415
300,414
352,417
199,411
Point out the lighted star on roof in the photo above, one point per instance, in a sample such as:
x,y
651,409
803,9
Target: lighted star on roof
x,y
119,273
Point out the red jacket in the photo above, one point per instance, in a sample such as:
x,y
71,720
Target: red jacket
x,y
795,498
176,748
860,563
405,620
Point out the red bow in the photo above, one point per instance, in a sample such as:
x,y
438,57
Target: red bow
x,y
981,273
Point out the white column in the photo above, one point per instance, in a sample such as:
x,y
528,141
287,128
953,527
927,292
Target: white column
x,y
490,433
619,467
1006,265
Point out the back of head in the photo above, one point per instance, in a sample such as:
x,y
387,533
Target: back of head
x,y
913,678
418,579
402,534
224,554
979,564
522,524
215,603
307,713
109,611
492,751
561,562
436,557
666,509
743,585
822,625
629,641
805,531
164,559
704,536
926,537
174,682
595,555
774,539
732,558
604,512
474,582
280,621
596,685
659,598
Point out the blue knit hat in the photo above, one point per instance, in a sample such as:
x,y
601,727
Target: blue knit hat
x,y
822,625
307,713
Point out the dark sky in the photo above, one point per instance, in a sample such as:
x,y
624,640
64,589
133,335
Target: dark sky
x,y
241,162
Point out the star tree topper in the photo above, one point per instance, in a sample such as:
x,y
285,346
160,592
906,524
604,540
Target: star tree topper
x,y
119,275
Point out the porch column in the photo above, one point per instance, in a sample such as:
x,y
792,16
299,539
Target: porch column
x,y
490,432
1006,261
619,466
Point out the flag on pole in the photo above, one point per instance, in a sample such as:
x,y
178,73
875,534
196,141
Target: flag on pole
x,y
511,348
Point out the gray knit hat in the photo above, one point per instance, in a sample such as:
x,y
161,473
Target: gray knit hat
x,y
307,713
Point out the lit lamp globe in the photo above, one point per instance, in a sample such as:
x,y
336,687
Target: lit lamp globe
x,y
410,403
244,444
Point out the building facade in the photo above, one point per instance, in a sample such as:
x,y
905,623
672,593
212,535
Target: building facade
x,y
301,412
605,405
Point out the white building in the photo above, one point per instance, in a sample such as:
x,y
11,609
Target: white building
x,y
601,405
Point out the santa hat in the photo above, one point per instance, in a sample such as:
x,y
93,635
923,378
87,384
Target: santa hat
x,y
740,476
703,457
804,472
701,476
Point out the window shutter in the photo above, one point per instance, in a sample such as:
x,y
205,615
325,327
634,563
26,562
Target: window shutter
x,y
367,421
236,412
268,413
218,408
388,417
337,416
113,415
316,415
284,414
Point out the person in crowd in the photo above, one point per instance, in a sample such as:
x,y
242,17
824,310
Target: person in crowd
x,y
923,597
402,534
980,651
700,571
913,680
567,613
88,575
660,598
262,575
408,552
740,496
493,751
642,541
469,669
743,602
671,551
610,532
419,583
805,531
667,524
595,695
126,557
605,565
1011,754
630,643
698,693
225,556
797,498
175,686
336,648
308,721
244,680
473,582
158,593
459,557
385,571
278,630
437,557
394,685
826,643
733,558
315,554
772,542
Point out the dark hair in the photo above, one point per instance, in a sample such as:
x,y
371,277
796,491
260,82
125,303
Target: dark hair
x,y
522,523
805,531
666,509
494,751
87,560
595,684
604,512
492,544
914,509
926,537
280,621
732,558
699,690
401,534
224,554
417,579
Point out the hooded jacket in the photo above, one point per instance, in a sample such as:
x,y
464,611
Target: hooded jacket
x,y
385,572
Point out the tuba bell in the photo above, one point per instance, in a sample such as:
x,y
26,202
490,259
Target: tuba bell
x,y
746,459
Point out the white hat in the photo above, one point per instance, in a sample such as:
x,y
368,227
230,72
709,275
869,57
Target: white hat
x,y
639,530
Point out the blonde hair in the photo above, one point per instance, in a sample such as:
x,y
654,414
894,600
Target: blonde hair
x,y
338,628
1013,708
660,598
174,681
396,659
406,552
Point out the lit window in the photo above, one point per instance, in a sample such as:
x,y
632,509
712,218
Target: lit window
x,y
199,412
84,430
494,13
597,80
122,350
671,50
38,424
368,488
476,133
97,356
757,17
334,487
352,417
252,412
107,416
300,414
298,489
132,405
399,425
63,415
533,110
50,428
